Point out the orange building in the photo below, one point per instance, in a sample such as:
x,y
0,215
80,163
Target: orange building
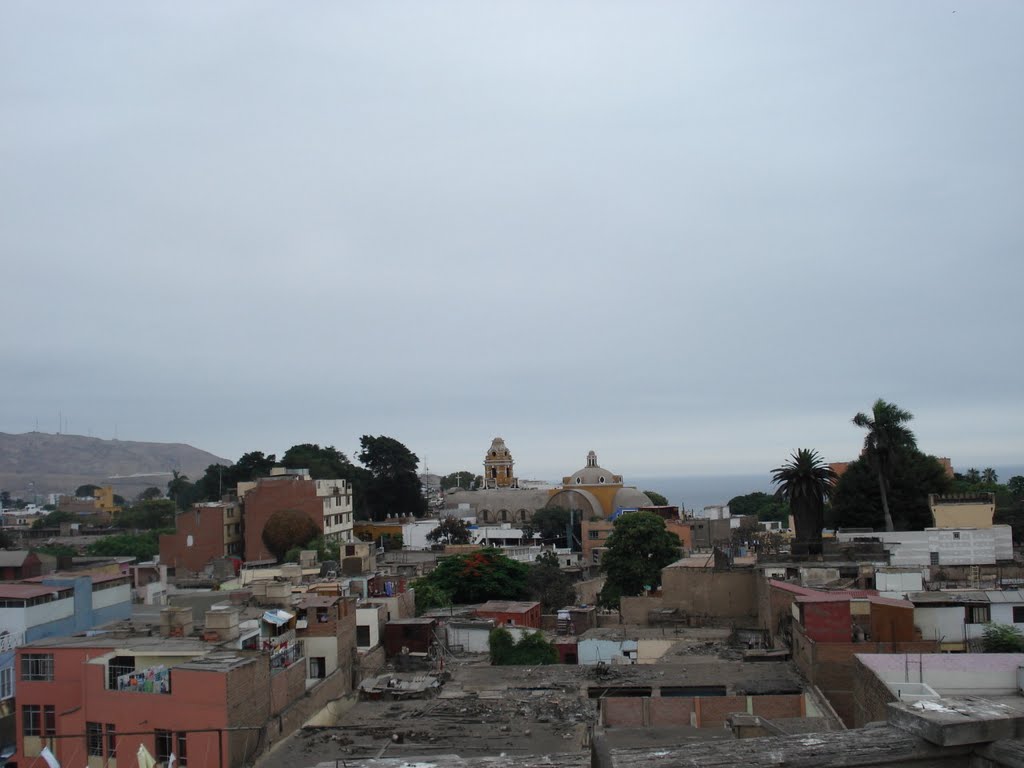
x,y
206,532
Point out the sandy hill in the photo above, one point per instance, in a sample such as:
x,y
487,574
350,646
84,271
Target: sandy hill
x,y
43,463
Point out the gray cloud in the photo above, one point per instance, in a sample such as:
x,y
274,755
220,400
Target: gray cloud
x,y
690,236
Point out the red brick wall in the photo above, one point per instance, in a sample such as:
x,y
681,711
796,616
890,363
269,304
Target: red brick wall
x,y
670,710
712,710
779,707
206,527
531,618
623,711
828,622
273,495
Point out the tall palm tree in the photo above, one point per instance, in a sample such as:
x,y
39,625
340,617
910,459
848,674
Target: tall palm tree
x,y
805,482
989,476
973,475
887,434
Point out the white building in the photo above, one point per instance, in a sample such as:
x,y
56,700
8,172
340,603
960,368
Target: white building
x,y
943,546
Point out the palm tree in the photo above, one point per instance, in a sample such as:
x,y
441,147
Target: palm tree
x,y
805,482
887,434
973,476
989,476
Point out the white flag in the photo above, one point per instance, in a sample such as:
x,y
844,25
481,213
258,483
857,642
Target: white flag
x,y
145,759
49,757
171,760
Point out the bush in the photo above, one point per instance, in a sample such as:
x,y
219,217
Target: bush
x,y
1002,638
532,649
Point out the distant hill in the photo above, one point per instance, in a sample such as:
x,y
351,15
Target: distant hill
x,y
46,463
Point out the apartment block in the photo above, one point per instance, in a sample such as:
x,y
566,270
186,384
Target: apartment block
x,y
206,532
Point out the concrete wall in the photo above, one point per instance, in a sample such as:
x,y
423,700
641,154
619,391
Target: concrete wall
x,y
951,674
967,546
713,593
635,610
472,636
591,651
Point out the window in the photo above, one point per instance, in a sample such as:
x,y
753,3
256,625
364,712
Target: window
x,y
111,742
37,667
32,720
363,635
6,682
117,666
49,720
94,739
318,667
978,614
592,535
1018,614
956,534
182,746
164,746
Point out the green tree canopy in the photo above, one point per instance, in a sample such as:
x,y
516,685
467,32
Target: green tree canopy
x,y
805,482
550,523
155,513
1002,638
151,493
54,519
288,528
638,548
477,577
394,485
656,498
548,583
452,530
86,491
759,504
142,546
180,490
887,434
1015,485
531,649
857,502
463,479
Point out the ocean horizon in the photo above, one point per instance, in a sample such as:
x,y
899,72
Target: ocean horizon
x,y
695,492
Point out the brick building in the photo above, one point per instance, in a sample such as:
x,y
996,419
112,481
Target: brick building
x,y
16,564
211,702
206,532
503,612
327,503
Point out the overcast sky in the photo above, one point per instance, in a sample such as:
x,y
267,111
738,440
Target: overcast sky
x,y
690,236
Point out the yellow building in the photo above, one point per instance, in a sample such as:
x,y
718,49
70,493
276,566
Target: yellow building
x,y
597,492
963,510
498,466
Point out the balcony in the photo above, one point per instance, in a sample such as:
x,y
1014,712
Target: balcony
x,y
285,656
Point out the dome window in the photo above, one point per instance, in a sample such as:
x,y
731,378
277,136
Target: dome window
x,y
600,479
579,480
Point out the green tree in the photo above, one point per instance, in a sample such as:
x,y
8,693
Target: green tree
x,y
86,491
141,546
887,433
530,650
394,485
429,597
463,479
151,493
6,542
155,513
856,502
759,504
1015,485
656,498
5,499
54,519
551,523
179,490
288,528
638,548
452,530
548,583
805,482
1002,638
973,476
478,576
989,476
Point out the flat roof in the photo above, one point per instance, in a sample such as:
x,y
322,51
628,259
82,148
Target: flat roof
x,y
28,591
97,578
111,640
507,606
